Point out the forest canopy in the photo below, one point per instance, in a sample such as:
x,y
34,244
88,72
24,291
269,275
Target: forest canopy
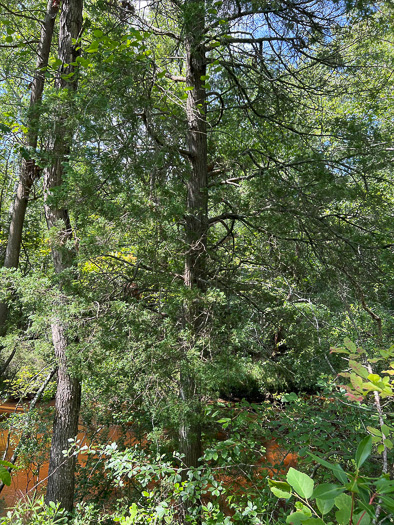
x,y
195,213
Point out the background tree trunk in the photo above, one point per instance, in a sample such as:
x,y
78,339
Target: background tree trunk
x,y
29,170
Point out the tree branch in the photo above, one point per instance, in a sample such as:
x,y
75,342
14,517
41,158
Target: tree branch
x,y
19,44
19,14
231,40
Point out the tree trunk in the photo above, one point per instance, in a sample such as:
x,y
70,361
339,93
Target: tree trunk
x,y
68,395
196,226
29,171
65,426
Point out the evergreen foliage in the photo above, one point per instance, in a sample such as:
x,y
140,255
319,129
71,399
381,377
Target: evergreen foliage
x,y
218,190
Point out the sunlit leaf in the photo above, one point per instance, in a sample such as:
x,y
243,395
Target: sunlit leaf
x,y
359,369
300,482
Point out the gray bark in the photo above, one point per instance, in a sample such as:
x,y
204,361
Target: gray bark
x,y
196,227
68,396
29,171
65,426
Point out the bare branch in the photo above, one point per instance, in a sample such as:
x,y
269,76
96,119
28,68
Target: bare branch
x,y
19,44
19,14
251,40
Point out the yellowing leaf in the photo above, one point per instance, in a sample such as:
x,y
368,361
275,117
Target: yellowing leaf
x,y
359,369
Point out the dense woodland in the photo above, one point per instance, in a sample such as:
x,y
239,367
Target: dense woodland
x,y
196,241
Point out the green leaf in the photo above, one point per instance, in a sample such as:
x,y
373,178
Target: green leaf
x,y
364,520
133,511
56,62
288,398
6,464
388,443
82,61
372,386
327,491
343,515
160,511
280,489
92,48
337,470
363,450
5,476
324,505
350,345
365,506
338,351
374,431
66,77
296,518
385,486
386,430
356,381
300,482
388,503
303,508
380,449
359,369
343,501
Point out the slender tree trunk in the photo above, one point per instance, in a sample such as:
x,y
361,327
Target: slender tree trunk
x,y
29,171
68,396
196,226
